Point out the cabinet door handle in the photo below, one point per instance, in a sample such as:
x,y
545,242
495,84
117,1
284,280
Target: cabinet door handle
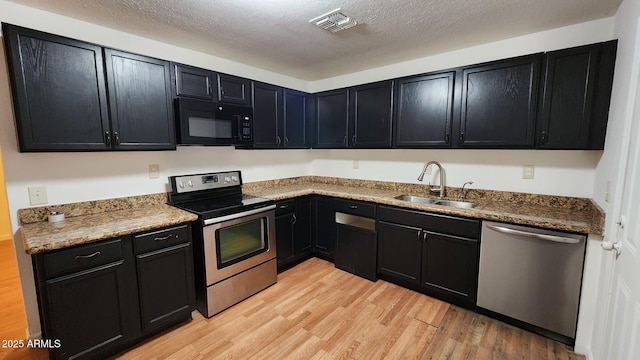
x,y
86,257
543,139
461,138
278,140
163,238
117,138
294,220
284,206
424,236
286,140
344,141
107,138
353,206
353,140
447,138
209,90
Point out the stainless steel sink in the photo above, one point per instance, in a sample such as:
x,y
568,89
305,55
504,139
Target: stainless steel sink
x,y
424,200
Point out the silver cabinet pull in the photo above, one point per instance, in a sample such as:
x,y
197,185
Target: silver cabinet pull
x,y
353,140
107,138
86,257
278,140
163,238
284,206
294,219
560,239
353,206
117,138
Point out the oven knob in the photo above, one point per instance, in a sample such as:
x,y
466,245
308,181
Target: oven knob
x,y
227,179
181,185
190,183
234,178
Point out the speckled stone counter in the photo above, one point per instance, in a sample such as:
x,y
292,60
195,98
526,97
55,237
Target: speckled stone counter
x,y
97,220
551,212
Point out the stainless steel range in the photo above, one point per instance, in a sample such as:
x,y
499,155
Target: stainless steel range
x,y
234,241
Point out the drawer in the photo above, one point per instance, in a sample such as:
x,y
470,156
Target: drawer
x,y
155,240
82,257
286,206
444,224
354,207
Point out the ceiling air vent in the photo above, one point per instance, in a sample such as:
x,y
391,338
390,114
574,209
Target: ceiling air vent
x,y
334,21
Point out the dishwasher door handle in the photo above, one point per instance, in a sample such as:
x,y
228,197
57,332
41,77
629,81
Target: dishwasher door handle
x,y
560,239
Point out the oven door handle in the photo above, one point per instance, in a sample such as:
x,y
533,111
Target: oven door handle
x,y
238,215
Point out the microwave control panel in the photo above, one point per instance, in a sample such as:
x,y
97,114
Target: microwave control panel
x,y
245,128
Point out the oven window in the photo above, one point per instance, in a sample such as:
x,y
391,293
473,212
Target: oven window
x,y
238,242
210,128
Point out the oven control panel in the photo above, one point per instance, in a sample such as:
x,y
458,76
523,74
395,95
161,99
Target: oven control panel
x,y
198,182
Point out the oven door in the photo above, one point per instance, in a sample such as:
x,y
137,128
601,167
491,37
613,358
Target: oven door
x,y
237,242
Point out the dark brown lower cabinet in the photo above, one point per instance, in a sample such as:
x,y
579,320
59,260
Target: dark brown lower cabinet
x,y
356,250
293,231
98,299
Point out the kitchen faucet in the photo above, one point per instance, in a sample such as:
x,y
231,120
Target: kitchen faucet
x,y
463,195
434,189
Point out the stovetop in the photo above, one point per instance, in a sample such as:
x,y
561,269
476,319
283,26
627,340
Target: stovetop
x,y
213,194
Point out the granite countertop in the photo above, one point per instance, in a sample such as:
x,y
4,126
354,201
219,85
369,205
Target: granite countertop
x,y
577,215
42,236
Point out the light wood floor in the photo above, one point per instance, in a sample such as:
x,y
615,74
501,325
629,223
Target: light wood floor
x,y
318,312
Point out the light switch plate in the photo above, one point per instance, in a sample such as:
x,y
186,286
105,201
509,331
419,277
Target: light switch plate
x,y
37,195
154,171
356,164
527,171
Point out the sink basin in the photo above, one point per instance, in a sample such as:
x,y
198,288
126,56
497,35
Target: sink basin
x,y
424,200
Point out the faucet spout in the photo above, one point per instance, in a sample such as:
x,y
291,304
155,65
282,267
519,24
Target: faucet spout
x,y
441,170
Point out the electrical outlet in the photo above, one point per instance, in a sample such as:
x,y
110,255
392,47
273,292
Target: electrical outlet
x,y
37,195
154,171
356,164
527,171
607,191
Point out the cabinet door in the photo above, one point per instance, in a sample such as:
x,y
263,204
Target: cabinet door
x,y
92,312
577,83
59,92
499,104
285,233
296,119
140,102
325,228
399,252
332,118
424,111
450,268
267,115
302,241
166,285
234,90
371,111
194,82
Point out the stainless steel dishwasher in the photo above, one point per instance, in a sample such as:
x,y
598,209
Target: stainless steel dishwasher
x,y
531,278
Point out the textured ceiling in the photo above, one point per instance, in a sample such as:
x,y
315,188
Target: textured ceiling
x,y
276,34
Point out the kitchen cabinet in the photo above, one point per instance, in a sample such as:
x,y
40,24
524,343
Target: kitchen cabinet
x,y
332,118
64,102
139,102
324,228
432,253
59,91
234,90
499,103
268,118
164,263
101,298
424,111
356,238
293,236
297,119
575,97
358,117
194,82
370,117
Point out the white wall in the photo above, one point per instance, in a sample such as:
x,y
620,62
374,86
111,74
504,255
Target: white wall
x,y
71,177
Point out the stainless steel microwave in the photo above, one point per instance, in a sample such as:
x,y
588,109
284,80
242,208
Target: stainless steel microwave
x,y
202,122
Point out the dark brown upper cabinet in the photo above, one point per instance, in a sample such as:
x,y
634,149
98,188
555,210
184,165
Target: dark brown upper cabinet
x,y
234,90
268,115
139,102
424,111
64,102
332,119
499,103
575,97
371,112
297,115
59,91
195,82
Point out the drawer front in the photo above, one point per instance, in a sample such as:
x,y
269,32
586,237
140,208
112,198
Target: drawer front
x,y
286,206
80,258
443,224
353,207
155,240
